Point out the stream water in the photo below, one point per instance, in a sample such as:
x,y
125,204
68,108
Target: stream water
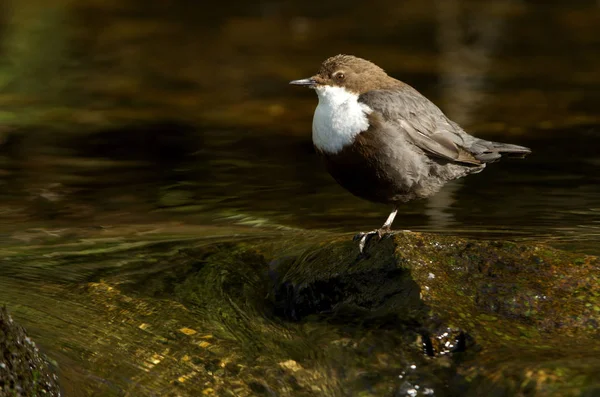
x,y
129,124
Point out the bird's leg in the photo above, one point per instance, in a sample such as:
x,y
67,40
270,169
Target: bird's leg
x,y
387,226
364,237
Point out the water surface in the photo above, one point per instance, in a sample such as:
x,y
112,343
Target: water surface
x,y
124,120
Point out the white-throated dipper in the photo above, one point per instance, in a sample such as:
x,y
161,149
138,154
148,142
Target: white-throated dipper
x,y
384,141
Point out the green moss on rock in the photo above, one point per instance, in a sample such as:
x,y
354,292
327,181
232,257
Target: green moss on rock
x,y
24,371
520,310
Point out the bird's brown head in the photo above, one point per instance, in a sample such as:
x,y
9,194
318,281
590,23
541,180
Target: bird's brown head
x,y
355,74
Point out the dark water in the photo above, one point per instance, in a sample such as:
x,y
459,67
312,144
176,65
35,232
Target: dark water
x,y
121,118
123,113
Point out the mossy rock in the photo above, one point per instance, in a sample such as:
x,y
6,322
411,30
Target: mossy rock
x,y
24,371
512,316
303,314
418,313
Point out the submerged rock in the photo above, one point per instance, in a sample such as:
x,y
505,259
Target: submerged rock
x,y
292,313
513,317
23,369
421,314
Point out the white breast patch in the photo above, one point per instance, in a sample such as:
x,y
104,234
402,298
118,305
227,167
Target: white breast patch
x,y
338,118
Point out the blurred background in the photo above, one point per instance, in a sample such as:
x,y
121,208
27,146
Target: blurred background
x,y
126,111
123,118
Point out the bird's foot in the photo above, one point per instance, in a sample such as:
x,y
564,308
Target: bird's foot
x,y
364,237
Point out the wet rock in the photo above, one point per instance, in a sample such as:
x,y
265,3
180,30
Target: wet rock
x,y
302,314
509,315
24,371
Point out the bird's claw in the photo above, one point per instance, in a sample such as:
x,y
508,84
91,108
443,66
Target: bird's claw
x,y
364,237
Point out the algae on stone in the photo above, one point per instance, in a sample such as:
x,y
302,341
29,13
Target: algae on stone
x,y
295,313
24,370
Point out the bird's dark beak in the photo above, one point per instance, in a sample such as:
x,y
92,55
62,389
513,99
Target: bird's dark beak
x,y
310,82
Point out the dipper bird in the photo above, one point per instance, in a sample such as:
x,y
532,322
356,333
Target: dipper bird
x,y
384,141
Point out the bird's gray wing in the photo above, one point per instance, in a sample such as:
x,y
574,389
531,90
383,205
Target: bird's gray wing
x,y
423,122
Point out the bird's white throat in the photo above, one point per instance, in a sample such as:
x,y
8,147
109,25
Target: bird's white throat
x,y
338,118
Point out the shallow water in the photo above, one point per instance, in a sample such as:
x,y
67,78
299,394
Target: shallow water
x,y
145,114
128,118
235,179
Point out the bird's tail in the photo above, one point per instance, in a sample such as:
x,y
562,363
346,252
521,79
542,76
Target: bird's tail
x,y
494,150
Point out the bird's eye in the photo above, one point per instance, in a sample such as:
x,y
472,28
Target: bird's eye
x,y
339,76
